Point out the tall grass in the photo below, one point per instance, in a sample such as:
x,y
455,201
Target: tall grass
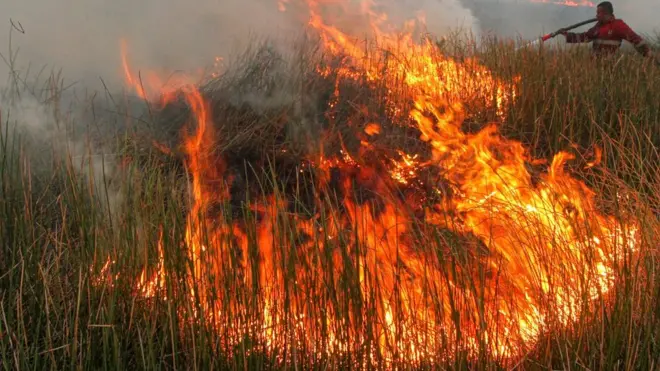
x,y
65,307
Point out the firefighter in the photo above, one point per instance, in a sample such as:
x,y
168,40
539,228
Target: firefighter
x,y
608,33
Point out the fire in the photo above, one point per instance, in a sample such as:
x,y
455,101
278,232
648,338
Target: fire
x,y
149,287
571,3
405,169
162,87
514,253
424,71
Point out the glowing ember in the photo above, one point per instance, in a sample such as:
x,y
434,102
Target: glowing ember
x,y
507,256
149,287
406,168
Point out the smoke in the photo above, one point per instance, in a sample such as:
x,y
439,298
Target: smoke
x,y
527,19
47,136
641,15
83,37
81,40
76,46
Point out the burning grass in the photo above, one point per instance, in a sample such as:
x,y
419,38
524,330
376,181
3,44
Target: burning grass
x,y
352,207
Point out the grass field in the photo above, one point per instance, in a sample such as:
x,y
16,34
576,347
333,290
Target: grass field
x,y
304,210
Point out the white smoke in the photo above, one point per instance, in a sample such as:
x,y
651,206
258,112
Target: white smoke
x,y
641,15
83,37
528,19
81,40
49,139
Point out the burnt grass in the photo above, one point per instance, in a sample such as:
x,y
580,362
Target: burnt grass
x,y
267,135
265,146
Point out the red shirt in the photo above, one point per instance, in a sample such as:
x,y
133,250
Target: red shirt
x,y
608,36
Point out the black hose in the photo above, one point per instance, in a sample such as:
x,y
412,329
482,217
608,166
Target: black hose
x,y
551,35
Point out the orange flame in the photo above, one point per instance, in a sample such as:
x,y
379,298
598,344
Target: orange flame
x,y
570,3
149,287
162,87
540,241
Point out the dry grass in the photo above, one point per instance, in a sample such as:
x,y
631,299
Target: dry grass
x,y
56,230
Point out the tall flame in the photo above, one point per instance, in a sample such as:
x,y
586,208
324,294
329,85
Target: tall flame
x,y
531,248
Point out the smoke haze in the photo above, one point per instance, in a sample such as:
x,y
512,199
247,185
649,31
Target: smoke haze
x,y
82,37
527,19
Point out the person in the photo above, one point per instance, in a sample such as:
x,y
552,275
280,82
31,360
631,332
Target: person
x,y
608,33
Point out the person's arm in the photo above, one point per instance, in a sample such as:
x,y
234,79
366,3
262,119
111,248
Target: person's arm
x,y
582,37
626,33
